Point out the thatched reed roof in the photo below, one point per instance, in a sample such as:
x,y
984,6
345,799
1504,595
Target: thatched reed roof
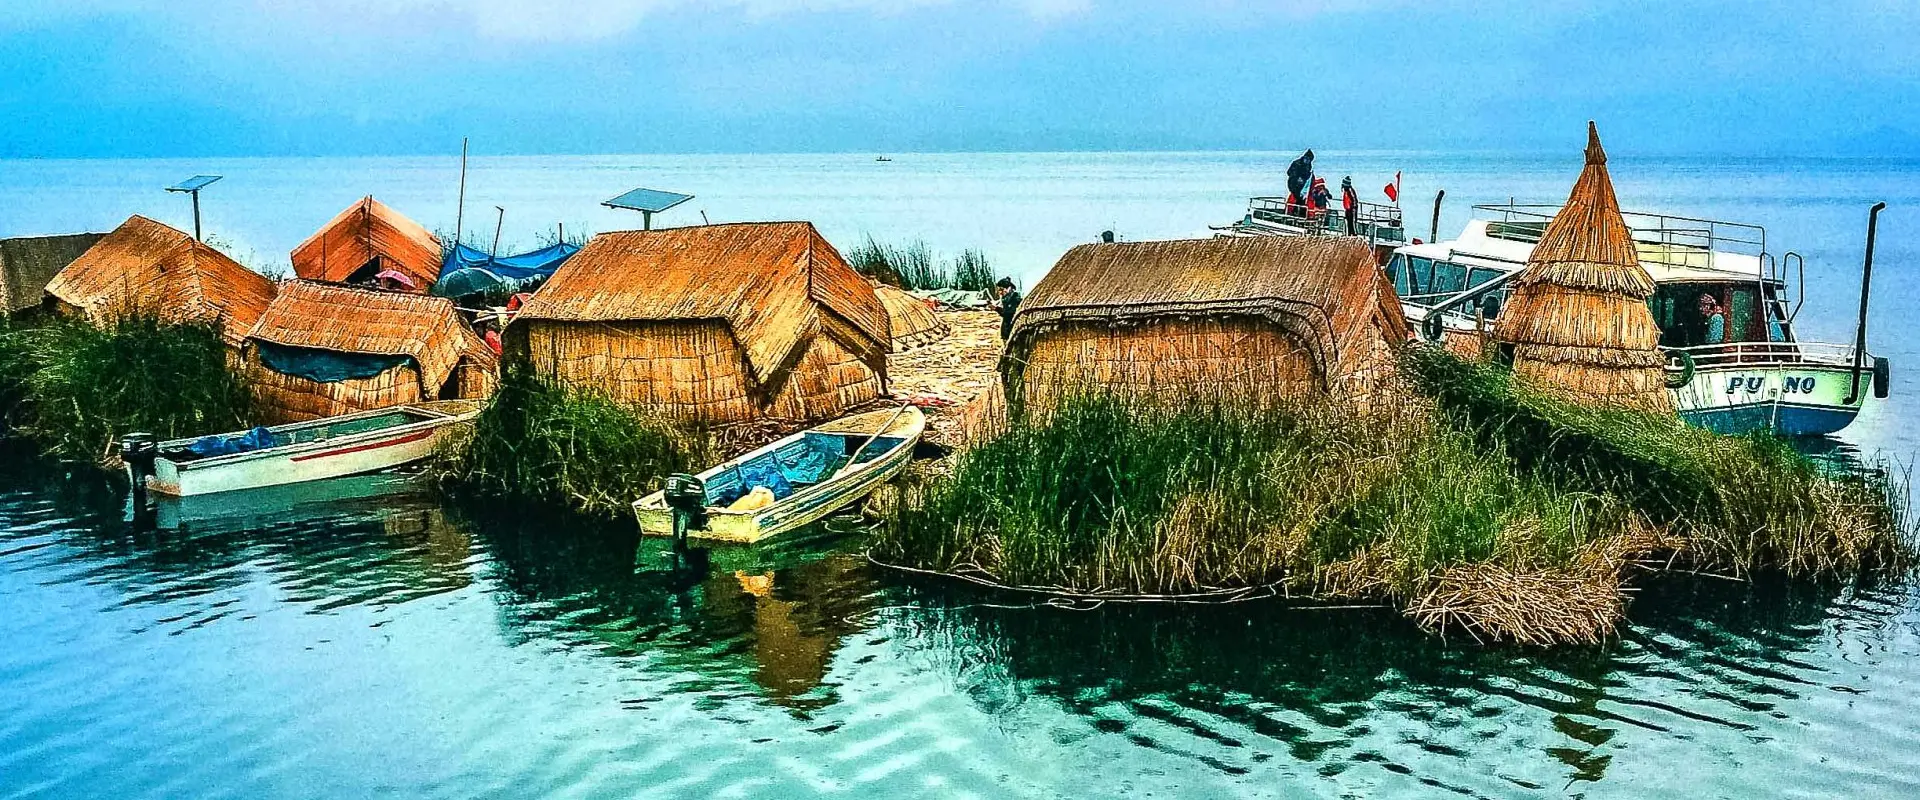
x,y
1330,286
144,266
367,230
1578,319
353,319
771,283
27,263
911,322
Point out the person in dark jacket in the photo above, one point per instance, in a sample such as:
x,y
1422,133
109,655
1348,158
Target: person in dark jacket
x,y
1299,174
1006,300
1350,204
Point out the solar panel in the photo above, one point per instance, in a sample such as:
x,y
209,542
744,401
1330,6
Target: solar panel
x,y
648,200
194,184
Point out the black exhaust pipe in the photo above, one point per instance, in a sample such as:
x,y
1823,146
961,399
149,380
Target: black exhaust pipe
x,y
1866,288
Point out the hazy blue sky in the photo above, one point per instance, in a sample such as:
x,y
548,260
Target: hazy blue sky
x,y
224,77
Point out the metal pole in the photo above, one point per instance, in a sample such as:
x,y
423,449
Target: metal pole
x,y
561,227
1433,233
1866,286
460,211
196,214
502,220
646,220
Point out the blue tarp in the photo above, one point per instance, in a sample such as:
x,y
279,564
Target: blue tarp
x,y
537,264
324,366
227,444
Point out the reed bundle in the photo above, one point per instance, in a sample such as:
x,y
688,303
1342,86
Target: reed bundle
x,y
1578,319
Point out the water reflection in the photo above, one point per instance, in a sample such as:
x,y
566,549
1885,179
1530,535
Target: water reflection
x,y
770,617
1235,687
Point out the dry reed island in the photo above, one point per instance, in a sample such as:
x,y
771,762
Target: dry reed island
x,y
1204,421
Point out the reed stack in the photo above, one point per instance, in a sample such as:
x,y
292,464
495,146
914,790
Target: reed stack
x,y
1577,321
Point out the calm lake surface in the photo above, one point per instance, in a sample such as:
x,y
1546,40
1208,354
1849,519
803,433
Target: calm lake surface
x,y
357,639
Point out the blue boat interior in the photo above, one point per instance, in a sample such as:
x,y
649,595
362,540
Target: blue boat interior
x,y
265,438
794,466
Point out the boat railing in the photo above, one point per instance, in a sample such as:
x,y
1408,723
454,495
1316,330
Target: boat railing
x,y
1767,353
1377,222
1663,238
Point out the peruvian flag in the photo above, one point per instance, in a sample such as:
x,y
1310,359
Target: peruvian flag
x,y
1393,189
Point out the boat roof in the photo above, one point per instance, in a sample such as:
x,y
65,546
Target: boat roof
x,y
1481,244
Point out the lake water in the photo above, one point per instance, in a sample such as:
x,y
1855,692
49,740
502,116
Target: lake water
x,y
333,641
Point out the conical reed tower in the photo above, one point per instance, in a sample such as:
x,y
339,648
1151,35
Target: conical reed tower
x,y
1578,319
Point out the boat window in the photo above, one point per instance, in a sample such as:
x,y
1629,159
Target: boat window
x,y
1744,322
1480,275
1396,272
1419,275
1449,278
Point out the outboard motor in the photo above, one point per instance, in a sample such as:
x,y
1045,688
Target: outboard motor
x,y
686,497
137,452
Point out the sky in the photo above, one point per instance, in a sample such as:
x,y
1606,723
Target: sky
x,y
154,78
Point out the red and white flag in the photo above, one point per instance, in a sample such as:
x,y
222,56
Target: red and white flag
x,y
1393,189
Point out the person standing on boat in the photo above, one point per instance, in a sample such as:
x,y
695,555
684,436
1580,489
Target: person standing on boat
x,y
1350,204
1318,199
1716,321
1006,300
1299,174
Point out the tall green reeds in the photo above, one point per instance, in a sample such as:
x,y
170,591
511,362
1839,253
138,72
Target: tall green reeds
x,y
913,265
74,389
1475,505
578,450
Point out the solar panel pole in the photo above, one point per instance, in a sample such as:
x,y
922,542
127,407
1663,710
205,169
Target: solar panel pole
x,y
192,187
646,220
196,214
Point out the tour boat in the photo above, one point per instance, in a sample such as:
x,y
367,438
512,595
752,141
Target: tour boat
x,y
353,444
810,474
1762,376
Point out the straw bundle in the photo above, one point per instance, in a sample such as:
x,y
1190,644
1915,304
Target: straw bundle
x,y
1578,319
910,320
29,262
366,238
144,267
718,323
443,358
1257,318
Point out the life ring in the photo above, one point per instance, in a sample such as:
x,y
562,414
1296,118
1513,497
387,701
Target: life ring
x,y
1676,380
1433,327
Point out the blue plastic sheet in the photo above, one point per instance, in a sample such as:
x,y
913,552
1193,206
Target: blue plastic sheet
x,y
537,264
325,366
228,444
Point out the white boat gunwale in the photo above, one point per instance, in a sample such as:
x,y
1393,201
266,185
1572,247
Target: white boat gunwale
x,y
435,419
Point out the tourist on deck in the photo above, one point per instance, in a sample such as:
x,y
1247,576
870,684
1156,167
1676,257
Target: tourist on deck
x,y
1716,321
1299,174
1318,198
1350,204
1006,300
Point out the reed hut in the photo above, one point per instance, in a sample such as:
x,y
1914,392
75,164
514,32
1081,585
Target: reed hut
x,y
366,239
144,267
325,349
28,263
1577,321
1261,318
717,323
911,322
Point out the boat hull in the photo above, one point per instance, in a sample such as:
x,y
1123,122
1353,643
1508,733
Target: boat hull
x,y
803,508
356,454
1795,399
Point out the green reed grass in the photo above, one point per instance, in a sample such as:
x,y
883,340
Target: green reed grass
x,y
554,446
73,389
913,265
1484,505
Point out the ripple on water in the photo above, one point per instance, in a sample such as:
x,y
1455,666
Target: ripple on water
x,y
380,645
